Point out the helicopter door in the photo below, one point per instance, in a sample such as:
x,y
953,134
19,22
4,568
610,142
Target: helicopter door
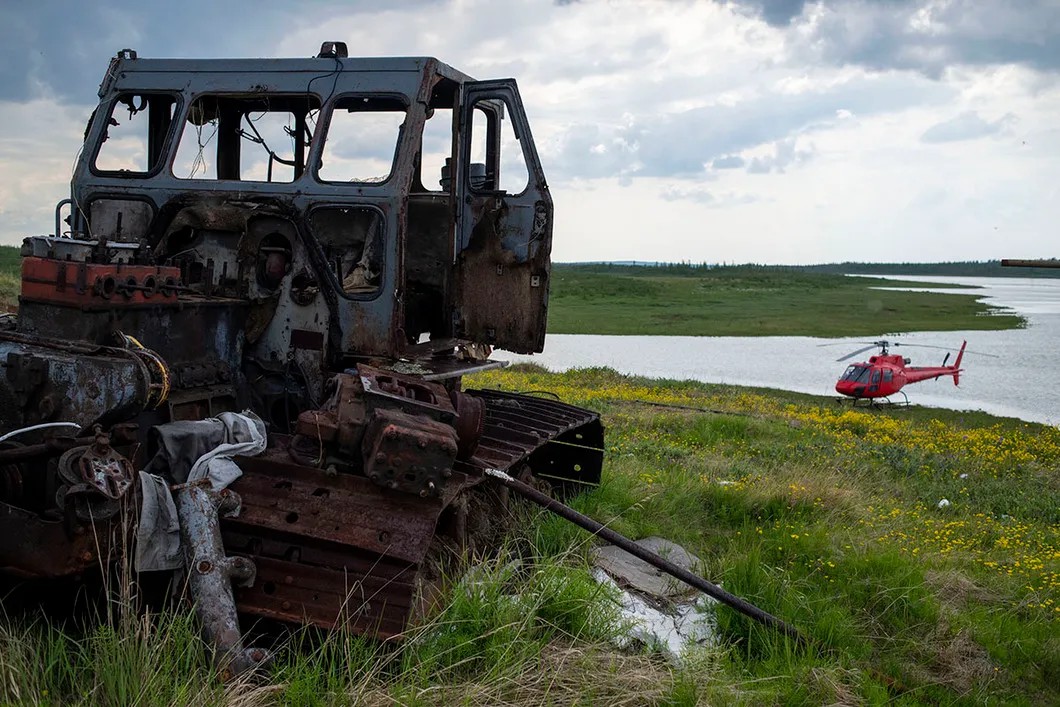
x,y
504,223
875,381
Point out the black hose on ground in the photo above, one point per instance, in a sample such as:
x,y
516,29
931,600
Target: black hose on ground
x,y
710,589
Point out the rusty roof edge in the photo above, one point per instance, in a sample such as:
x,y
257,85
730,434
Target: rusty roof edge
x,y
415,64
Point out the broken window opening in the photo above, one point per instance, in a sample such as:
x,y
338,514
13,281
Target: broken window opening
x,y
247,138
362,141
436,150
135,133
497,160
351,238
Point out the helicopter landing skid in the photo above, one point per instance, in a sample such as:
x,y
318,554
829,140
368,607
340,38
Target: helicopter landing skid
x,y
888,403
878,402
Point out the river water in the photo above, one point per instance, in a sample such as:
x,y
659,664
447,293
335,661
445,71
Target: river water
x,y
1017,383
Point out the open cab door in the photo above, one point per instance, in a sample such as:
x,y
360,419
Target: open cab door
x,y
503,236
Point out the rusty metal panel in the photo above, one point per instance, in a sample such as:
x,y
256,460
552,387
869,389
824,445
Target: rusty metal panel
x,y
363,601
293,500
35,547
330,549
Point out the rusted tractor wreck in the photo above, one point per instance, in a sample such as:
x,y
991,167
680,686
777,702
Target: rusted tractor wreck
x,y
326,244
253,328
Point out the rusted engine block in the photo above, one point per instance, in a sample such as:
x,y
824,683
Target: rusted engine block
x,y
402,433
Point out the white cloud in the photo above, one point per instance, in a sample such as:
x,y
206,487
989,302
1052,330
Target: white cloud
x,y
657,120
35,170
966,126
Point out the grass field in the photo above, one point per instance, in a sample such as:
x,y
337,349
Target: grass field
x,y
824,516
750,301
731,301
10,262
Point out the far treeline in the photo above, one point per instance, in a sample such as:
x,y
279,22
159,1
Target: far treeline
x,y
963,268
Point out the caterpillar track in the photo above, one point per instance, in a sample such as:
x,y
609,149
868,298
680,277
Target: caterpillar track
x,y
339,550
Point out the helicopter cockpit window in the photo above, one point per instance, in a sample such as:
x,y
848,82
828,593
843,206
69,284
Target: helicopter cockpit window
x,y
875,376
887,376
857,374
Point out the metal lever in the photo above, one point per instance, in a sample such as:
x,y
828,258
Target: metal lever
x,y
657,561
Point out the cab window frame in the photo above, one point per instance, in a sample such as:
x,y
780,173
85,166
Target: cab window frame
x,y
167,149
174,148
320,138
500,110
318,245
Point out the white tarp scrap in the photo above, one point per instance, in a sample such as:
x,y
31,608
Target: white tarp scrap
x,y
660,611
189,451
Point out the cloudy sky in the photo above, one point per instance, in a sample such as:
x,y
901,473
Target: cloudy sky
x,y
775,131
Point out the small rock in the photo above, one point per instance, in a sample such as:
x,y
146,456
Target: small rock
x,y
636,573
944,503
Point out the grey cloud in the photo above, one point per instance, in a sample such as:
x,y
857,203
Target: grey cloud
x,y
62,48
930,37
728,162
966,126
919,35
588,151
685,144
777,13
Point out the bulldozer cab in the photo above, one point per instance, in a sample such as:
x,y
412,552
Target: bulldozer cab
x,y
359,207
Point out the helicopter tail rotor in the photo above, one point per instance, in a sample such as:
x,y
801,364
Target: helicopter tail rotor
x,y
957,363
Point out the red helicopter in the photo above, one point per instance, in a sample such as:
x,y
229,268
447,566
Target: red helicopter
x,y
885,374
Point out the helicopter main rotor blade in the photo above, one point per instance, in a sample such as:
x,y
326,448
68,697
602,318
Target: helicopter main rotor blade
x,y
852,354
848,343
945,348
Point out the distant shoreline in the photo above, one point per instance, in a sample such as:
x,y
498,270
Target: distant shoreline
x,y
970,268
691,300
